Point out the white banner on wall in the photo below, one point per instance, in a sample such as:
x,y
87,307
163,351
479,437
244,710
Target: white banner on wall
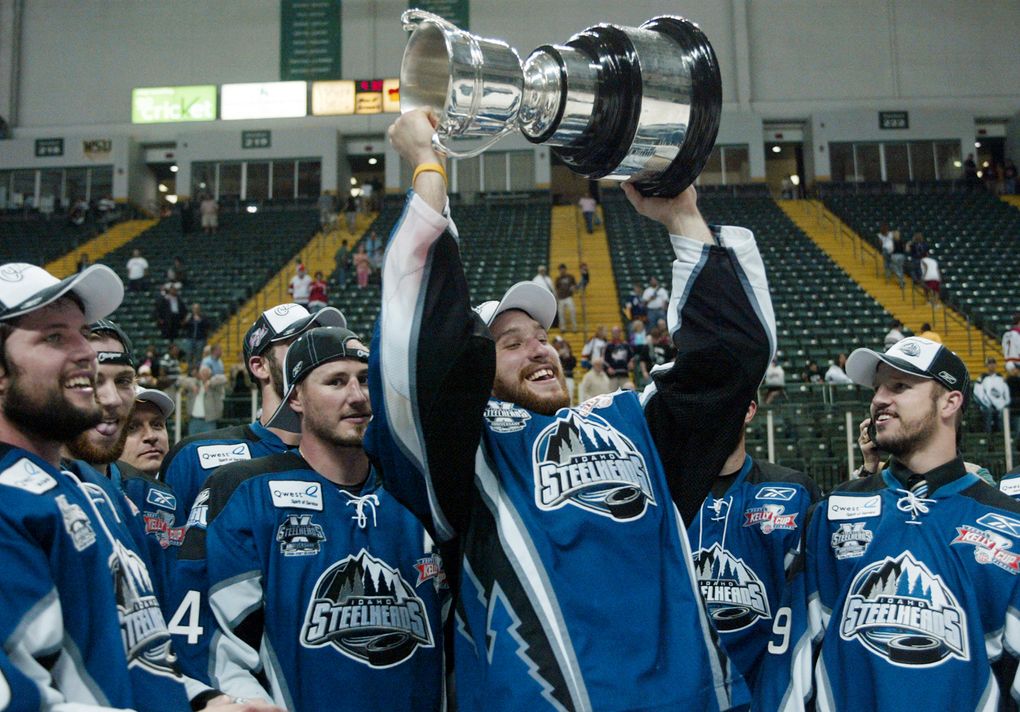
x,y
269,100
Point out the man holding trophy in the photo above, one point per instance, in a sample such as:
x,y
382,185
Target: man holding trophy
x,y
563,526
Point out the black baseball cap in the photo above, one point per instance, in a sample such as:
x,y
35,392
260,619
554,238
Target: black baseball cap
x,y
285,321
916,356
108,326
25,288
312,349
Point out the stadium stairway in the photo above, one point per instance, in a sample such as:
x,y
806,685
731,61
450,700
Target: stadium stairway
x,y
99,246
318,255
1013,200
865,266
571,245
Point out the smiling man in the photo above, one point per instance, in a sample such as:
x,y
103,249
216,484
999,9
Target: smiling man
x,y
576,585
911,581
323,587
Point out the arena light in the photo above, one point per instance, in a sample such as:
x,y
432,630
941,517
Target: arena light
x,y
172,199
252,209
980,174
372,161
776,149
795,179
977,144
354,181
957,164
162,188
174,168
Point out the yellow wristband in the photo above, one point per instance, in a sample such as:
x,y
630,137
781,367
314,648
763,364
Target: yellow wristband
x,y
426,167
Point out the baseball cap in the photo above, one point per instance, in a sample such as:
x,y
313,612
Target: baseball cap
x,y
25,288
108,326
533,299
285,321
913,355
158,398
312,349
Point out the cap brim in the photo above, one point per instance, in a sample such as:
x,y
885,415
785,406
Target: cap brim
x,y
158,398
532,299
285,418
863,363
97,286
327,316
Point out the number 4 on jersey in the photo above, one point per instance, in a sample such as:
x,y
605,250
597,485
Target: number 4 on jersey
x,y
188,609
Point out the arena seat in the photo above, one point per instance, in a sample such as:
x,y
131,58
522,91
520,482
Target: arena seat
x,y
34,239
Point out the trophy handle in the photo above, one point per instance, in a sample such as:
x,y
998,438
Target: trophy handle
x,y
440,147
414,17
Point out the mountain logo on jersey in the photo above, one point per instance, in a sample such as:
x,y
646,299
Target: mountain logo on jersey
x,y
299,536
851,540
506,417
366,610
901,611
770,517
143,630
733,593
584,461
989,548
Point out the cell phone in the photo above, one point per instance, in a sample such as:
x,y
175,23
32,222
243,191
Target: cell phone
x,y
872,432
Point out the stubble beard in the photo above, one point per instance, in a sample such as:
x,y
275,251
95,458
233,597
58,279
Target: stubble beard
x,y
912,439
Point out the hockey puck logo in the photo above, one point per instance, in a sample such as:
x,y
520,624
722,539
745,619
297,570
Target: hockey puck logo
x,y
364,608
899,610
734,594
584,461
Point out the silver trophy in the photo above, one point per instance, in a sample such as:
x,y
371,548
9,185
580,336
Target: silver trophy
x,y
636,104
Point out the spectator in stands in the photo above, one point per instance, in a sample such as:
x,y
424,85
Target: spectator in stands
x,y
362,267
594,348
617,357
137,271
836,375
176,273
1013,384
931,276
970,172
374,248
147,441
214,361
544,280
205,395
596,382
661,348
588,207
78,213
83,262
148,368
169,313
351,212
656,300
300,287
196,332
187,210
634,307
566,285
885,241
992,175
1009,176
568,361
318,296
898,256
210,212
775,381
894,335
170,368
927,333
106,209
1011,346
992,395
638,337
917,249
343,263
585,278
327,212
811,373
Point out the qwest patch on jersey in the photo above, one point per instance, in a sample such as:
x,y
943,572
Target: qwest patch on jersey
x,y
733,592
24,474
584,461
899,610
850,507
366,610
1010,486
297,494
143,629
299,536
989,548
850,541
505,417
212,456
770,517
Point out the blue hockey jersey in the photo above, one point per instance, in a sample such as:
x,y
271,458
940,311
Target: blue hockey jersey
x,y
743,542
78,612
190,462
905,601
576,589
319,597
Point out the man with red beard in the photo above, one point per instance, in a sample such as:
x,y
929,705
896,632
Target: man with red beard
x,y
575,581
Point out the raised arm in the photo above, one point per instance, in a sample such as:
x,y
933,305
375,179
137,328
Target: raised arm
x,y
721,320
433,361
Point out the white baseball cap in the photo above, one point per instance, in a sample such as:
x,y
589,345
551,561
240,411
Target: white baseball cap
x,y
913,355
25,288
533,299
158,398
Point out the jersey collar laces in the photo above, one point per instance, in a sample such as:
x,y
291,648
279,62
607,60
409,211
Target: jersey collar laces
x,y
359,503
914,502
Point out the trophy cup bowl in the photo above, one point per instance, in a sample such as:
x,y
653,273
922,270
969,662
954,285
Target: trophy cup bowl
x,y
639,104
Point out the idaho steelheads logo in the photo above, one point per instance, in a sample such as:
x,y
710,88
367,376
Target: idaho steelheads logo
x,y
901,611
145,635
365,609
584,461
733,593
